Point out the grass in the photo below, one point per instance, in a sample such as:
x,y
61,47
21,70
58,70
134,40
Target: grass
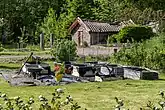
x,y
98,96
24,53
10,66
93,96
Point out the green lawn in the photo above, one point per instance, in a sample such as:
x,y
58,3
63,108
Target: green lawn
x,y
25,53
98,96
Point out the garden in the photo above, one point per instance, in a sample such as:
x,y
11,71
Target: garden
x,y
128,94
32,25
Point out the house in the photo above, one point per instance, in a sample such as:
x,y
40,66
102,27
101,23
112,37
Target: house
x,y
92,32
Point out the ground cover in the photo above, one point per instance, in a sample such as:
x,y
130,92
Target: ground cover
x,y
98,96
14,60
23,52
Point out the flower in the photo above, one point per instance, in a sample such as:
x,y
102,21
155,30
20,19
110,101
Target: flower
x,y
31,99
70,98
40,96
161,93
16,98
3,95
66,101
59,90
30,108
162,104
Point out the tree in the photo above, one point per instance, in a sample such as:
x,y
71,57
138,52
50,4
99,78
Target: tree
x,y
142,4
58,26
107,10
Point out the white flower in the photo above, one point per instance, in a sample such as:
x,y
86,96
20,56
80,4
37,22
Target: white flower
x,y
16,98
40,97
162,103
70,98
3,95
67,100
30,108
31,99
26,105
60,90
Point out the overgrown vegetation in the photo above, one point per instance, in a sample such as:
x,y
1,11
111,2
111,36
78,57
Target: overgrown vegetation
x,y
132,34
64,50
149,53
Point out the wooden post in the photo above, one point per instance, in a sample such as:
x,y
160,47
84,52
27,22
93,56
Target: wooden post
x,y
51,40
42,41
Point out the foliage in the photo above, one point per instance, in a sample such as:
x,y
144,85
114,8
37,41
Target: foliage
x,y
20,13
64,50
57,15
111,39
154,4
56,103
120,104
58,26
134,33
149,54
33,47
150,105
107,10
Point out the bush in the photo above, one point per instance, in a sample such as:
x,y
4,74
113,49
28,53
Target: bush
x,y
134,33
64,50
111,39
149,54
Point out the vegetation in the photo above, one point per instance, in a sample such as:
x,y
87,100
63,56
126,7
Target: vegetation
x,y
149,54
64,50
135,93
55,104
24,20
149,106
133,33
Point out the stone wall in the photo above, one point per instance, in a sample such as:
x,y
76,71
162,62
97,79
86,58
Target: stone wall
x,y
97,50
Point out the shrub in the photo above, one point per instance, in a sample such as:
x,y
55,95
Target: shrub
x,y
111,39
64,50
149,54
56,103
134,33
